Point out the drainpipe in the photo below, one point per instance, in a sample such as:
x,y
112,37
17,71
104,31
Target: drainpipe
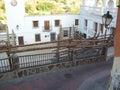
x,y
115,73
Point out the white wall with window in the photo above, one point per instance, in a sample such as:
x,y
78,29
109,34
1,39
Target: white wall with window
x,y
29,26
36,24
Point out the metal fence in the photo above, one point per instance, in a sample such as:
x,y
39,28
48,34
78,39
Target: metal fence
x,y
36,60
52,58
83,53
27,61
4,65
42,59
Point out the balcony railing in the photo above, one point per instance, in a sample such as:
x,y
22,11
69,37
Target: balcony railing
x,y
2,31
97,10
46,29
4,65
91,32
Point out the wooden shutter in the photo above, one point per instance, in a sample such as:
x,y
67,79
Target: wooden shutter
x,y
76,21
57,22
21,40
46,25
37,37
96,26
101,27
86,23
35,23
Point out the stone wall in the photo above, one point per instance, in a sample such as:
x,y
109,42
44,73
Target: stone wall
x,y
20,73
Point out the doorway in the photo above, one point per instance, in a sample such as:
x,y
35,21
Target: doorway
x,y
53,36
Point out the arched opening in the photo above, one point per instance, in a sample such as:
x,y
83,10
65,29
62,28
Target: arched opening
x,y
110,3
89,2
99,3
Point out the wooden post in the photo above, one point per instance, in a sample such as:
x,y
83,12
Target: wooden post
x,y
58,48
8,48
69,50
13,37
73,32
70,33
7,32
9,57
61,33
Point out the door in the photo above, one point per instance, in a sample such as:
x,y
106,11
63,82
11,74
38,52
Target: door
x,y
37,37
21,40
53,36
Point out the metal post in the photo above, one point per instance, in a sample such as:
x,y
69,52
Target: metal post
x,y
105,32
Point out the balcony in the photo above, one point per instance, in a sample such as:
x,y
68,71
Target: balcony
x,y
46,28
97,11
91,32
2,31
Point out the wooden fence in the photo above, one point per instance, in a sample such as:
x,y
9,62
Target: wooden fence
x,y
41,54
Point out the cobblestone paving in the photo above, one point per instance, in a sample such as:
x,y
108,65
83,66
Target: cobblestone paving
x,y
87,77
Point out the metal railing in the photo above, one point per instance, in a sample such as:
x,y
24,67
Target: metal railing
x,y
91,32
4,65
28,61
97,10
36,60
47,29
42,59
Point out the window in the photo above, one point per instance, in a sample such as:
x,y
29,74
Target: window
x,y
76,22
57,23
35,24
101,28
46,25
84,35
95,26
53,36
37,37
65,33
86,22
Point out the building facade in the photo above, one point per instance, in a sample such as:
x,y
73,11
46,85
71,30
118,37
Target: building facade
x,y
91,16
34,29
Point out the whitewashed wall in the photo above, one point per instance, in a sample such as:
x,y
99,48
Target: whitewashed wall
x,y
16,17
15,14
66,20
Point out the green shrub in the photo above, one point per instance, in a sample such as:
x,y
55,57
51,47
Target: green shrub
x,y
45,6
64,2
3,17
3,7
28,9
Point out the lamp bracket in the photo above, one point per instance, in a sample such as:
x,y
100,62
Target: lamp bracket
x,y
118,6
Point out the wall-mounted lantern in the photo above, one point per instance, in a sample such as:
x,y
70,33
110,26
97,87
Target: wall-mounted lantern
x,y
17,27
106,20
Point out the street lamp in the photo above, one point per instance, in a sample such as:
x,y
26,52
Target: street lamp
x,y
106,19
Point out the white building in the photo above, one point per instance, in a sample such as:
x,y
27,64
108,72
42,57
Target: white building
x,y
91,16
33,29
